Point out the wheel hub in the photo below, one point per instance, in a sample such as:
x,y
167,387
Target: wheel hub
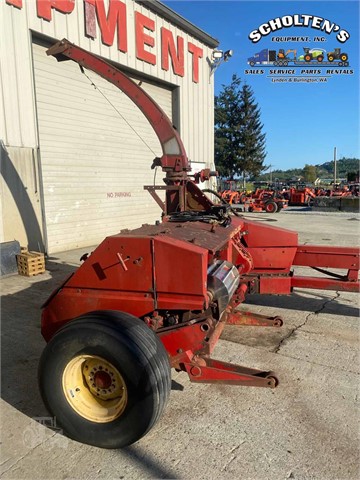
x,y
94,388
102,380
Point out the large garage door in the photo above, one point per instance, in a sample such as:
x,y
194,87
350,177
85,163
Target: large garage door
x,y
96,152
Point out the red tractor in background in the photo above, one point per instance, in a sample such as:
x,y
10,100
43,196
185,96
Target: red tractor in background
x,y
300,196
266,200
231,194
159,296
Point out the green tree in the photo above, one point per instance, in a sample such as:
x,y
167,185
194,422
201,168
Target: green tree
x,y
309,173
239,141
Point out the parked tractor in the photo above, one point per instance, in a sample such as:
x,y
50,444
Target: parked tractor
x,y
158,297
268,201
300,196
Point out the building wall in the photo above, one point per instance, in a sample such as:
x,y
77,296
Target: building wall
x,y
18,112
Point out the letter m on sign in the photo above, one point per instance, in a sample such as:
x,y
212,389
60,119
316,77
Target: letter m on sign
x,y
114,19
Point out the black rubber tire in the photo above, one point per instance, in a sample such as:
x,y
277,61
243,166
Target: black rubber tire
x,y
279,207
344,57
270,207
130,346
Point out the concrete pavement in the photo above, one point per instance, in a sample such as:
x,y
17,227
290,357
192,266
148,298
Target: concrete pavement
x,y
307,428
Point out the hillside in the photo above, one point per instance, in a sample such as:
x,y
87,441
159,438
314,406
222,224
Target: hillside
x,y
324,170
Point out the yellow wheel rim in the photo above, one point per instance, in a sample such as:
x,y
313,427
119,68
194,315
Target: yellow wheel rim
x,y
94,388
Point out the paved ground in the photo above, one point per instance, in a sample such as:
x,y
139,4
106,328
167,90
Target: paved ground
x,y
307,428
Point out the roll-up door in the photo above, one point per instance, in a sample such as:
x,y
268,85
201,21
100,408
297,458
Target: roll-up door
x,y
96,151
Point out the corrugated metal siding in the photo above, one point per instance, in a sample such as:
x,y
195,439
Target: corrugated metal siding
x,y
196,127
16,79
18,121
90,156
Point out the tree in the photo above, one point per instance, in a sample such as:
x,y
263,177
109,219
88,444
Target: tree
x,y
310,173
239,141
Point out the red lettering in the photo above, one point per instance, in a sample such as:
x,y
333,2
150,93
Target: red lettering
x,y
168,48
90,18
197,53
143,38
116,17
44,7
15,3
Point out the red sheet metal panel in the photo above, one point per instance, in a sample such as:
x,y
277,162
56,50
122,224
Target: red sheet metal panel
x,y
275,285
272,258
204,235
70,303
260,235
327,257
180,271
118,263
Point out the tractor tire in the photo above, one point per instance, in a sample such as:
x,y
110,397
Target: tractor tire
x,y
331,58
344,57
279,207
105,376
270,207
308,58
320,58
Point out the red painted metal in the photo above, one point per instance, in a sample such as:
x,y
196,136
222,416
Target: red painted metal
x,y
327,257
174,156
143,25
325,284
160,273
237,317
216,371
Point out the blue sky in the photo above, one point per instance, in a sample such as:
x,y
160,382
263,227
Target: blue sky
x,y
303,121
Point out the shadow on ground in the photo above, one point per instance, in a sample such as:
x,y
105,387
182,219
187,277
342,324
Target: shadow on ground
x,y
21,348
22,343
306,301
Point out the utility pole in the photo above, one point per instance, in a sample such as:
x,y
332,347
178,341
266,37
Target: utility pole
x,y
335,168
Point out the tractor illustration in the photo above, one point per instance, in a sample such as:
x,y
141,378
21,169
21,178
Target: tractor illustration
x,y
337,55
312,54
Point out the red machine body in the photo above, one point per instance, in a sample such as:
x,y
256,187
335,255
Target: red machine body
x,y
266,200
185,277
300,196
160,273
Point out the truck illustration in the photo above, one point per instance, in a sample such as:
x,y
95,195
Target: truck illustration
x,y
282,57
